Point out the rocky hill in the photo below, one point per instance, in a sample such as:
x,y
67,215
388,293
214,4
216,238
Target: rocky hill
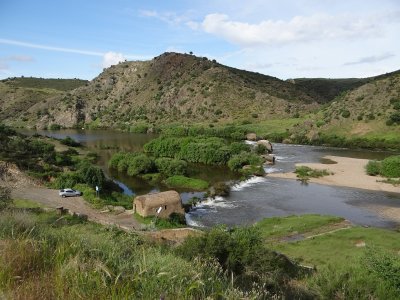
x,y
20,97
371,111
170,88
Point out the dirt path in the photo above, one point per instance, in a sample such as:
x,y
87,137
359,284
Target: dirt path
x,y
50,198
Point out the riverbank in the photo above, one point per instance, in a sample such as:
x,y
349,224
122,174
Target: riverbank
x,y
347,172
350,172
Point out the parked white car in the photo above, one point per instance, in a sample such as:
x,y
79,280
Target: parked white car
x,y
69,193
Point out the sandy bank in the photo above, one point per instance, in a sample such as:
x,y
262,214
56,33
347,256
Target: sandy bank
x,y
347,172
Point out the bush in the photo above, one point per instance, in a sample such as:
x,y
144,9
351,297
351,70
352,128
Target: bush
x,y
140,164
170,166
93,176
391,167
345,113
260,149
239,160
179,181
70,142
139,128
242,252
373,168
115,159
238,147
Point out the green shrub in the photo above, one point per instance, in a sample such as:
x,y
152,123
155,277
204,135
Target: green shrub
x,y
373,168
139,128
67,180
239,160
238,147
115,159
140,164
70,142
260,149
170,166
305,173
54,127
240,252
179,181
345,113
391,167
93,176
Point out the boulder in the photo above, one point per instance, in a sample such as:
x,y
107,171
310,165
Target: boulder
x,y
267,144
251,137
269,158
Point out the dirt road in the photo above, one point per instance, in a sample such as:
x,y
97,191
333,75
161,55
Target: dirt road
x,y
50,198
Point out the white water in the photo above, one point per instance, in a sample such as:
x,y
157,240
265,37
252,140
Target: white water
x,y
247,183
191,222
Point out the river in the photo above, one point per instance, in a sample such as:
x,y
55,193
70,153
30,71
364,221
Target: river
x,y
258,197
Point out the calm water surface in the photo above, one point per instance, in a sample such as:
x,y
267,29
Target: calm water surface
x,y
258,197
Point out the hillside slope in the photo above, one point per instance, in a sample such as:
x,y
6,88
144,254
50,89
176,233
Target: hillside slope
x,y
368,116
171,88
327,89
21,97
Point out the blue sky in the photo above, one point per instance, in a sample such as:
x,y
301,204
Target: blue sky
x,y
286,39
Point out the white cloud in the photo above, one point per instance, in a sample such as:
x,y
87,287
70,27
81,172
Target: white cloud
x,y
171,18
51,48
370,59
112,58
298,29
20,58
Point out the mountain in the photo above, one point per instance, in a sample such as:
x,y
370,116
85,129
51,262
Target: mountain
x,y
325,89
169,88
19,97
369,111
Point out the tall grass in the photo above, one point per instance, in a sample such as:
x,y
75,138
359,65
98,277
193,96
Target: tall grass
x,y
45,257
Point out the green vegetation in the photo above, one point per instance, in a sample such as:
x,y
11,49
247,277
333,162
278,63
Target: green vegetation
x,y
389,167
66,169
277,227
355,263
179,181
174,221
68,141
170,166
304,173
241,252
373,168
48,257
41,83
173,153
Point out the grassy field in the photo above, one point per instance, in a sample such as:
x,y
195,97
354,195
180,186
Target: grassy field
x,y
278,227
341,248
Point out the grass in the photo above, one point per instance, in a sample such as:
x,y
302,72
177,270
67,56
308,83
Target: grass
x,y
160,223
21,203
339,248
304,173
277,227
277,126
42,258
179,181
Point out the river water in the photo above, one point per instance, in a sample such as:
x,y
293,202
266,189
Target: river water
x,y
258,197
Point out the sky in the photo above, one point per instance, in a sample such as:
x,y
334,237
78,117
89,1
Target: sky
x,y
285,38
